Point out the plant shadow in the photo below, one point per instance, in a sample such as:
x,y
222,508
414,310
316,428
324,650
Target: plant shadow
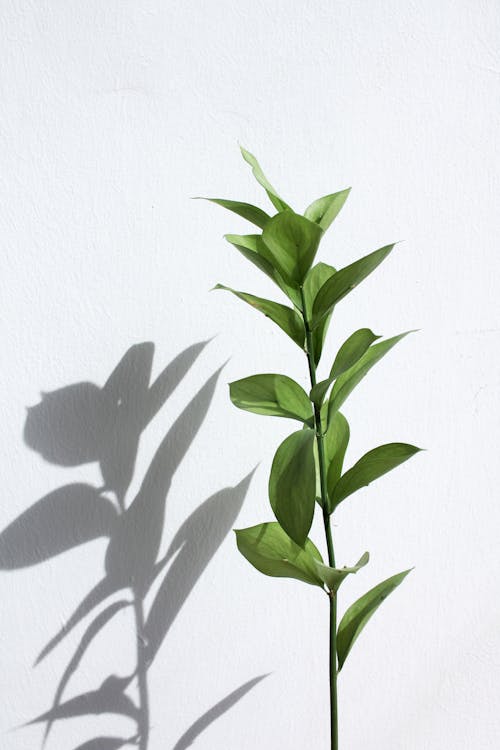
x,y
84,423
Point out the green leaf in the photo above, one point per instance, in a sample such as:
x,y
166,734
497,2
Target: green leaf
x,y
253,249
333,577
336,441
324,417
269,549
250,246
313,282
318,337
292,242
253,214
287,319
319,499
261,178
351,350
324,210
371,466
360,612
349,353
292,484
318,391
344,281
275,395
315,278
347,382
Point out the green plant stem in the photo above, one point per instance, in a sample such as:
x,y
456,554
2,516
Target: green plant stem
x,y
328,533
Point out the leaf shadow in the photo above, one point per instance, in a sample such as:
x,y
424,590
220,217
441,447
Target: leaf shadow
x,y
83,423
107,743
195,543
215,712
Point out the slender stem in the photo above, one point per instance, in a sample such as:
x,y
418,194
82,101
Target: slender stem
x,y
334,714
328,533
142,685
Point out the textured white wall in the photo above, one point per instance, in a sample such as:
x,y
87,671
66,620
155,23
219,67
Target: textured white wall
x,y
112,115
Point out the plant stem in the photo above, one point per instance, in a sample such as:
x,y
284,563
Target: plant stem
x,y
328,533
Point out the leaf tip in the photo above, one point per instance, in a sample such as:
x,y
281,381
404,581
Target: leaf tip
x,y
407,333
244,152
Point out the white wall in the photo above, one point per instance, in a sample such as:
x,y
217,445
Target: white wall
x,y
112,115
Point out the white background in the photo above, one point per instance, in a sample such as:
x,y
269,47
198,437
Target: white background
x,y
113,114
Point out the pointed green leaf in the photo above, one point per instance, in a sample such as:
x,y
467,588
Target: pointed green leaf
x,y
313,282
287,319
292,484
319,335
261,178
360,612
336,441
269,549
324,210
252,247
347,382
253,214
371,466
317,490
319,499
324,417
349,353
333,577
344,281
351,350
275,395
318,391
315,278
292,242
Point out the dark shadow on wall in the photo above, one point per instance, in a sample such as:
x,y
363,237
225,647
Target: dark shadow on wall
x,y
84,423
